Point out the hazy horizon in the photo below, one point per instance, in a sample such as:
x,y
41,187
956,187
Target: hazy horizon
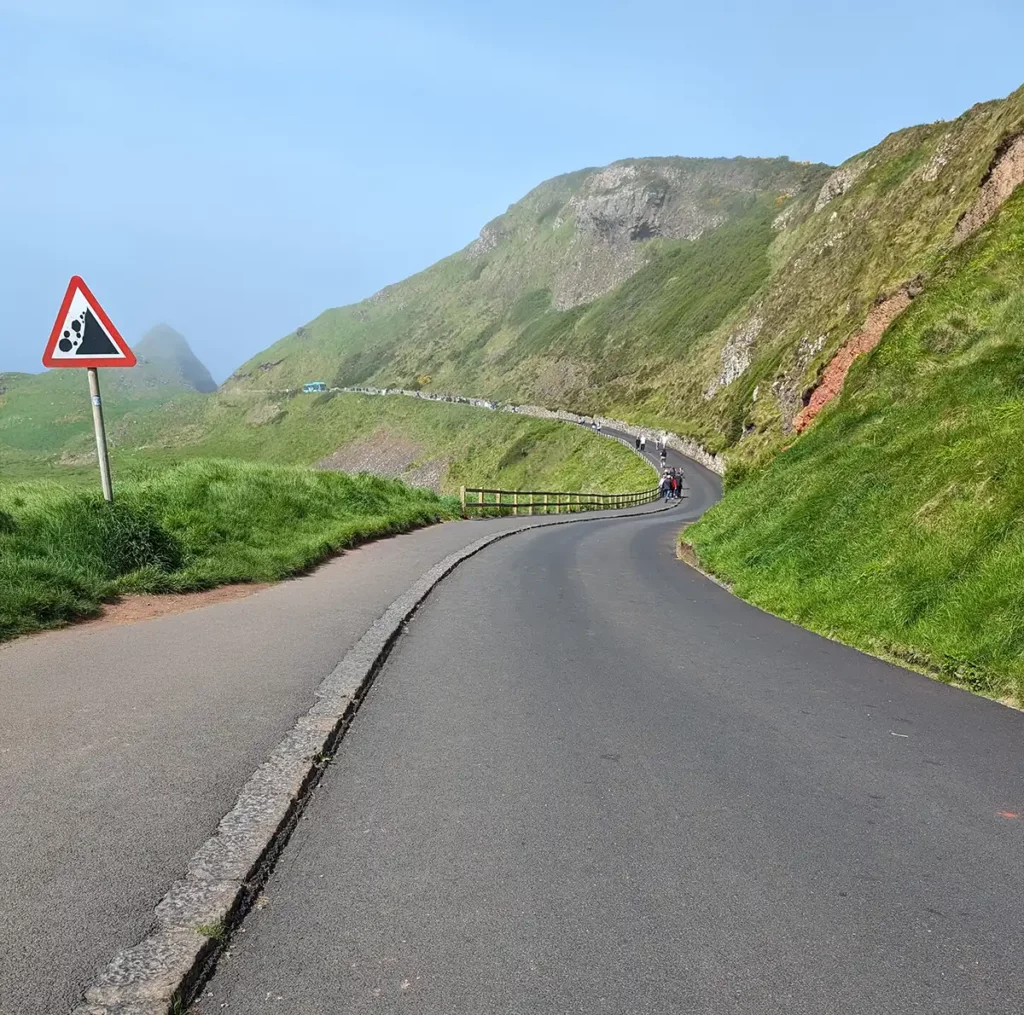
x,y
233,170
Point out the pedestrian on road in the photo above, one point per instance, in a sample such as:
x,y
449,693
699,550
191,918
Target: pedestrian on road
x,y
665,486
638,442
643,442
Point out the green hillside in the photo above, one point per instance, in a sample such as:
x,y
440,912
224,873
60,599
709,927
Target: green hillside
x,y
435,444
513,314
897,522
47,416
706,296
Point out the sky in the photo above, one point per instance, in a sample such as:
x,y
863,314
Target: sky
x,y
234,167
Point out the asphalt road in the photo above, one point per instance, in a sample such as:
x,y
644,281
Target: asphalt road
x,y
591,780
122,747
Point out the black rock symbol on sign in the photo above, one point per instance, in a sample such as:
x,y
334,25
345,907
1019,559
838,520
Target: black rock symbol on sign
x,y
86,336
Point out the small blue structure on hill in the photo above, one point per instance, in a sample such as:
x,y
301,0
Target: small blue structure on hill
x,y
311,387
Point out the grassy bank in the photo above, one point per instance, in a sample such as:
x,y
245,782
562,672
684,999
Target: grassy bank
x,y
189,527
452,444
897,523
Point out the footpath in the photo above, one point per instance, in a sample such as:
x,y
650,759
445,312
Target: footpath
x,y
121,748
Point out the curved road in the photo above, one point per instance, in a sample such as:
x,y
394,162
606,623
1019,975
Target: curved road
x,y
590,780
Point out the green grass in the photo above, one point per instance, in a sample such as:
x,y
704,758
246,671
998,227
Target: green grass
x,y
189,527
487,322
896,523
480,322
477,447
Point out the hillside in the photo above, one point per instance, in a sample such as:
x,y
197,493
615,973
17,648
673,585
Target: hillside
x,y
896,523
708,296
496,317
44,415
428,444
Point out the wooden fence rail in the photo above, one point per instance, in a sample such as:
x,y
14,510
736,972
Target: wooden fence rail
x,y
478,501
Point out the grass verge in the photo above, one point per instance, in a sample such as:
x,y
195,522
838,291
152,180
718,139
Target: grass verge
x,y
188,527
896,524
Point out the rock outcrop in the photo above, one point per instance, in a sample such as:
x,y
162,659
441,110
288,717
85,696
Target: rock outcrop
x,y
736,356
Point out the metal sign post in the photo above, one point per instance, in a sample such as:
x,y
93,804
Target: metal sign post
x,y
83,336
101,434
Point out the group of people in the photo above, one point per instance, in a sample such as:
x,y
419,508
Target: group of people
x,y
671,484
662,442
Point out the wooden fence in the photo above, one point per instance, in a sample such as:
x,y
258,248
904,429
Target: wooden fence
x,y
480,502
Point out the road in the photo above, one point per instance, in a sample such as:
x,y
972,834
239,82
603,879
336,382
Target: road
x,y
591,780
122,747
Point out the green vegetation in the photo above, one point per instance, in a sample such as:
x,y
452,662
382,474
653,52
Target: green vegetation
x,y
578,298
457,444
896,523
184,528
513,316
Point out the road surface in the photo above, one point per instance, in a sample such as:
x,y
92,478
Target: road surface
x,y
591,780
122,747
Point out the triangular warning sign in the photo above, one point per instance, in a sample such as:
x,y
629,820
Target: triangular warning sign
x,y
83,335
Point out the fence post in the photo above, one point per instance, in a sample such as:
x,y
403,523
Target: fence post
x,y
545,503
480,501
462,498
515,503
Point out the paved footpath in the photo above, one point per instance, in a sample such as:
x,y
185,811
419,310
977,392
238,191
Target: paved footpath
x,y
122,747
590,780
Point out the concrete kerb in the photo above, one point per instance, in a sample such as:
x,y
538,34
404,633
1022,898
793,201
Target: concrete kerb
x,y
193,922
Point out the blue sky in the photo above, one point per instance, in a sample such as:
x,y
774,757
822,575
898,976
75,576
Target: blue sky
x,y
233,168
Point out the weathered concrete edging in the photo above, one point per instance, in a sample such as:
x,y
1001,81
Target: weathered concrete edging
x,y
195,918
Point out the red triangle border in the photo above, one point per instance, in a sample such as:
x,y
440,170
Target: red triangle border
x,y
127,357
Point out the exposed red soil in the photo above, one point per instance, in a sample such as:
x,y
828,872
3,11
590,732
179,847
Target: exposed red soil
x,y
875,326
1004,176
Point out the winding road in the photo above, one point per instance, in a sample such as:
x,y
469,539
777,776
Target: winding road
x,y
587,779
591,780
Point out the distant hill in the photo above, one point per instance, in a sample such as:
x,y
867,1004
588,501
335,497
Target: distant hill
x,y
167,360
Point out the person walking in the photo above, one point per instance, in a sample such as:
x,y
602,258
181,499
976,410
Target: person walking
x,y
665,486
643,442
638,442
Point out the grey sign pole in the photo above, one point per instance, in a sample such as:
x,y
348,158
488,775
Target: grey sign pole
x,y
101,434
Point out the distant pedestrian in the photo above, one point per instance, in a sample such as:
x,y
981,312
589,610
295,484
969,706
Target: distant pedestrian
x,y
638,442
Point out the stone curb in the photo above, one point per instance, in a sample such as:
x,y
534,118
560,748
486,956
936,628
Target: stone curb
x,y
192,922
